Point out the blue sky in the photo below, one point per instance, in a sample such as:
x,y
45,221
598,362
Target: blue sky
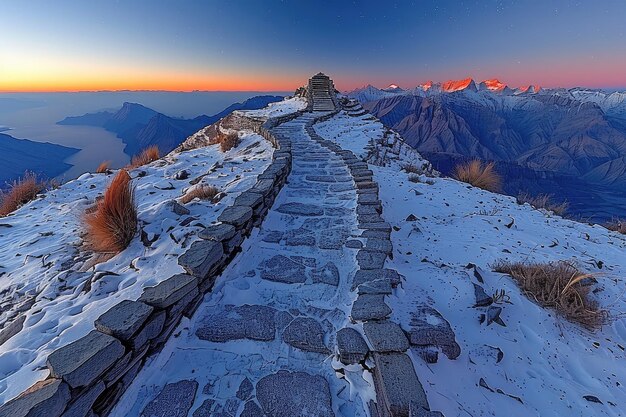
x,y
275,45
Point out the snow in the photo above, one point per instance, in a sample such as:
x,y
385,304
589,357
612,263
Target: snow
x,y
279,108
549,363
48,264
352,133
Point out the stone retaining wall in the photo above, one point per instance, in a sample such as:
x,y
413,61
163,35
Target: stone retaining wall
x,y
87,377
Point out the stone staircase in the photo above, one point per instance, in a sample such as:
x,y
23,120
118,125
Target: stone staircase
x,y
321,93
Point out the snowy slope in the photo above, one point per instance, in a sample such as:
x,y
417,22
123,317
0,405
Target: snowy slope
x,y
548,363
49,275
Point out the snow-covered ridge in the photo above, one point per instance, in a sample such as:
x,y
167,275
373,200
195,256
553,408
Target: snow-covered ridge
x,y
539,364
53,290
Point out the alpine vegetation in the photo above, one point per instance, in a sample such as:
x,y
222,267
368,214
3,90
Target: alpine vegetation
x,y
112,223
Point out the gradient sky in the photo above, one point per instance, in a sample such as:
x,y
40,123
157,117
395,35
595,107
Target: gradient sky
x,y
267,45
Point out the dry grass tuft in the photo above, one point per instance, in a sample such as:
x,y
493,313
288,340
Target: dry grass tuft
x,y
229,141
20,192
146,156
203,192
616,225
559,286
411,168
104,167
111,225
479,174
543,201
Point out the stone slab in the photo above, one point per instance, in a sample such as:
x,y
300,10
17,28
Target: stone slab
x,y
201,258
306,334
235,215
81,362
255,322
218,232
352,347
174,400
168,292
370,307
47,398
124,319
290,394
385,336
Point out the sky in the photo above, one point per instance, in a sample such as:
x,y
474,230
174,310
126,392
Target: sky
x,y
273,45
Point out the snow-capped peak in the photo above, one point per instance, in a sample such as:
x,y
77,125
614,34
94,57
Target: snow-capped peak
x,y
458,85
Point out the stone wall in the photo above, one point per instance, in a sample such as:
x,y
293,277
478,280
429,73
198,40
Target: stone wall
x,y
87,377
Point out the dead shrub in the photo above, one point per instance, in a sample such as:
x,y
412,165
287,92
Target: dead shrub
x,y
146,156
111,225
229,141
411,168
104,167
616,225
543,201
203,192
20,192
479,174
559,286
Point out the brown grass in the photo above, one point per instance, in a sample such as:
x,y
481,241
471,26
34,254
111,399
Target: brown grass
x,y
229,141
110,227
543,201
104,167
616,225
559,286
203,192
20,192
146,156
479,174
411,168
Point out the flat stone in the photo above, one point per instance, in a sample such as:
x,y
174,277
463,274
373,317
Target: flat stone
x,y
321,223
366,210
47,398
279,268
321,178
235,215
385,336
370,307
429,328
201,258
493,315
354,244
178,208
384,226
341,187
264,187
253,322
482,299
299,237
370,260
150,331
352,347
174,400
368,199
81,362
251,409
290,394
218,232
245,389
379,245
124,319
333,238
305,333
273,236
12,329
205,409
398,390
249,198
328,274
377,286
168,292
82,405
300,209
338,211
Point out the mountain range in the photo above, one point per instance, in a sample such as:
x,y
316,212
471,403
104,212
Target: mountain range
x,y
140,127
20,155
562,136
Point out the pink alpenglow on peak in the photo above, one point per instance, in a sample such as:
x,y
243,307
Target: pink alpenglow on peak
x,y
458,85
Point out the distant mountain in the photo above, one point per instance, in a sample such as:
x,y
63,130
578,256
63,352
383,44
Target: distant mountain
x,y
562,134
139,126
20,155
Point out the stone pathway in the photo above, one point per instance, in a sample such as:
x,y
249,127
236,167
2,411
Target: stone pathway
x,y
283,332
265,337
